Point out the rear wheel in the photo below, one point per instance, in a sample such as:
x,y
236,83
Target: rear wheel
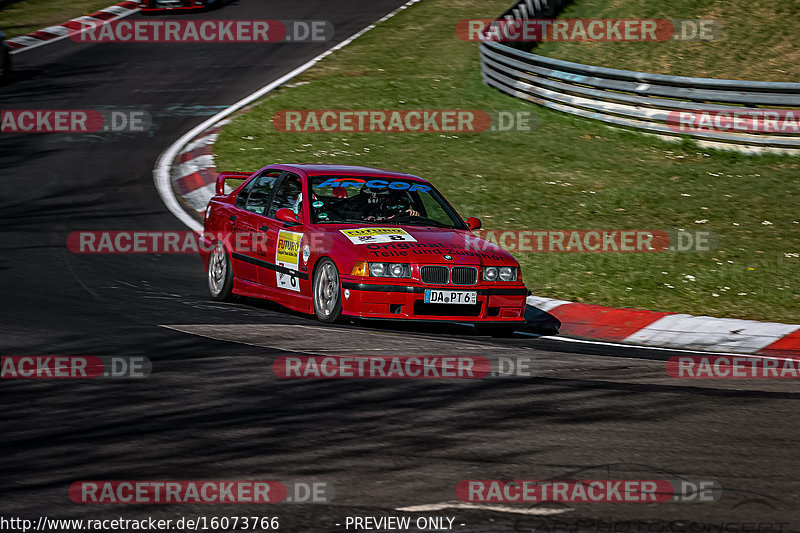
x,y
220,274
327,292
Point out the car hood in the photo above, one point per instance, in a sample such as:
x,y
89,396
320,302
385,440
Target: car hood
x,y
426,244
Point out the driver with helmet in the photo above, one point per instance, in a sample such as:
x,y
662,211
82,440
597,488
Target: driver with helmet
x,y
386,204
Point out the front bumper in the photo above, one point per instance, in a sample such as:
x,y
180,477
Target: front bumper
x,y
503,304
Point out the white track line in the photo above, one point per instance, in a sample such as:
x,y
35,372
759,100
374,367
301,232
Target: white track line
x,y
640,347
161,172
480,506
95,23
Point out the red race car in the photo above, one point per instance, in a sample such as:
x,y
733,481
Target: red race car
x,y
351,241
163,5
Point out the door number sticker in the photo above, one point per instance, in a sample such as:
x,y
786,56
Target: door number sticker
x,y
287,254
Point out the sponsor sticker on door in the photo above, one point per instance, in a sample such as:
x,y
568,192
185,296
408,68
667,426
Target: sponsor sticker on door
x,y
377,235
287,255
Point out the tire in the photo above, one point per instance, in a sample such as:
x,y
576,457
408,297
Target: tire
x,y
496,330
327,292
220,274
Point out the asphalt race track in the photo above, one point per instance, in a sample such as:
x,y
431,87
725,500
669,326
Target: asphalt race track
x,y
213,409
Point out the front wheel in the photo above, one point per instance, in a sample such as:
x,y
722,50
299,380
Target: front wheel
x,y
220,274
327,292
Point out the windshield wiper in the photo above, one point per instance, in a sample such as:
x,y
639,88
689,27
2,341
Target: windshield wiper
x,y
343,221
432,223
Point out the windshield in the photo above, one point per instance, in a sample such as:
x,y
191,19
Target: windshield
x,y
379,200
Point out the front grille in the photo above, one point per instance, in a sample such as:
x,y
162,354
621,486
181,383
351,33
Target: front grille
x,y
464,276
438,275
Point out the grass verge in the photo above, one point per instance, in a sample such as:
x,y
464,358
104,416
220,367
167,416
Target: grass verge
x,y
569,173
759,40
28,16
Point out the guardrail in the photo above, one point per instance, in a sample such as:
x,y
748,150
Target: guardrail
x,y
630,99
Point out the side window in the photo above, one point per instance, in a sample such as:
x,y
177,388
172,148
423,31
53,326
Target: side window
x,y
289,195
261,191
241,199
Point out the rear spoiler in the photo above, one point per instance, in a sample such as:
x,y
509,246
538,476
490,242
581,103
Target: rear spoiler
x,y
235,179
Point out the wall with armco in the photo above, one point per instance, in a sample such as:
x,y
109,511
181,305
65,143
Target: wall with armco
x,y
638,100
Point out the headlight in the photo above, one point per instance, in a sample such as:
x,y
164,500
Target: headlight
x,y
398,270
508,274
390,270
377,269
499,274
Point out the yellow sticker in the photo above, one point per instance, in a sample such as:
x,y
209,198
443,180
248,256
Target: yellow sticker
x,y
288,249
373,231
377,235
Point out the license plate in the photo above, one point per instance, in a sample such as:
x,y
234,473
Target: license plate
x,y
450,297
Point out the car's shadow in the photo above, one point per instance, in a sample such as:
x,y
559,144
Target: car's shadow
x,y
218,4
536,321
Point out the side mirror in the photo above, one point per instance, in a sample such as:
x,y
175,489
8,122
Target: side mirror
x,y
287,215
473,223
